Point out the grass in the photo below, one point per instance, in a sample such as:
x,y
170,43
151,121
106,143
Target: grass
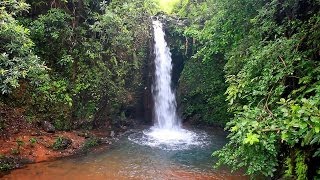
x,y
33,141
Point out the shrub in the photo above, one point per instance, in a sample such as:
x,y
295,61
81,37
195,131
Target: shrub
x,y
91,142
61,143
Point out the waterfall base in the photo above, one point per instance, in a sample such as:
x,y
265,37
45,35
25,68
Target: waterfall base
x,y
170,139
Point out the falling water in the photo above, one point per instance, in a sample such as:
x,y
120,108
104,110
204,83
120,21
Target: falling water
x,y
165,115
167,132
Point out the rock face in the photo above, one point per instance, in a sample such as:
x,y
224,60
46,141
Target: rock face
x,y
48,127
171,19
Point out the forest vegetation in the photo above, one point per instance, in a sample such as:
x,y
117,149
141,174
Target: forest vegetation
x,y
251,66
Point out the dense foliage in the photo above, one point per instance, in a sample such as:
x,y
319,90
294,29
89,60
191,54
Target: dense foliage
x,y
202,94
254,64
74,63
202,84
272,70
17,59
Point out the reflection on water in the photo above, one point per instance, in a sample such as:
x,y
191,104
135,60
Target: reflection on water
x,y
129,160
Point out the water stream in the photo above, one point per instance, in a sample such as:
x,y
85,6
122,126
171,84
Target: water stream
x,y
128,160
164,151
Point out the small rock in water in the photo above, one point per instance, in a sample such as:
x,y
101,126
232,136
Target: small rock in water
x,y
105,140
48,127
112,134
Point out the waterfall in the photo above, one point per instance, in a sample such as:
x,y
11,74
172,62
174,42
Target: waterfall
x,y
167,132
165,116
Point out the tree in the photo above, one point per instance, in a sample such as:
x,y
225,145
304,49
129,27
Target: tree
x,y
271,49
17,59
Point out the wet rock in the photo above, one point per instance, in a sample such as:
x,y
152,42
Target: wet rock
x,y
106,140
48,127
112,133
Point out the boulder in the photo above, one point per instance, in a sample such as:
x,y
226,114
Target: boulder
x,y
66,142
48,127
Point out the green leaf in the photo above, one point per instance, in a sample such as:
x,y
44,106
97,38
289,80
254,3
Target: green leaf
x,y
251,138
317,129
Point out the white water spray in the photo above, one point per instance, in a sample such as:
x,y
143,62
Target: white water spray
x,y
165,115
166,132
